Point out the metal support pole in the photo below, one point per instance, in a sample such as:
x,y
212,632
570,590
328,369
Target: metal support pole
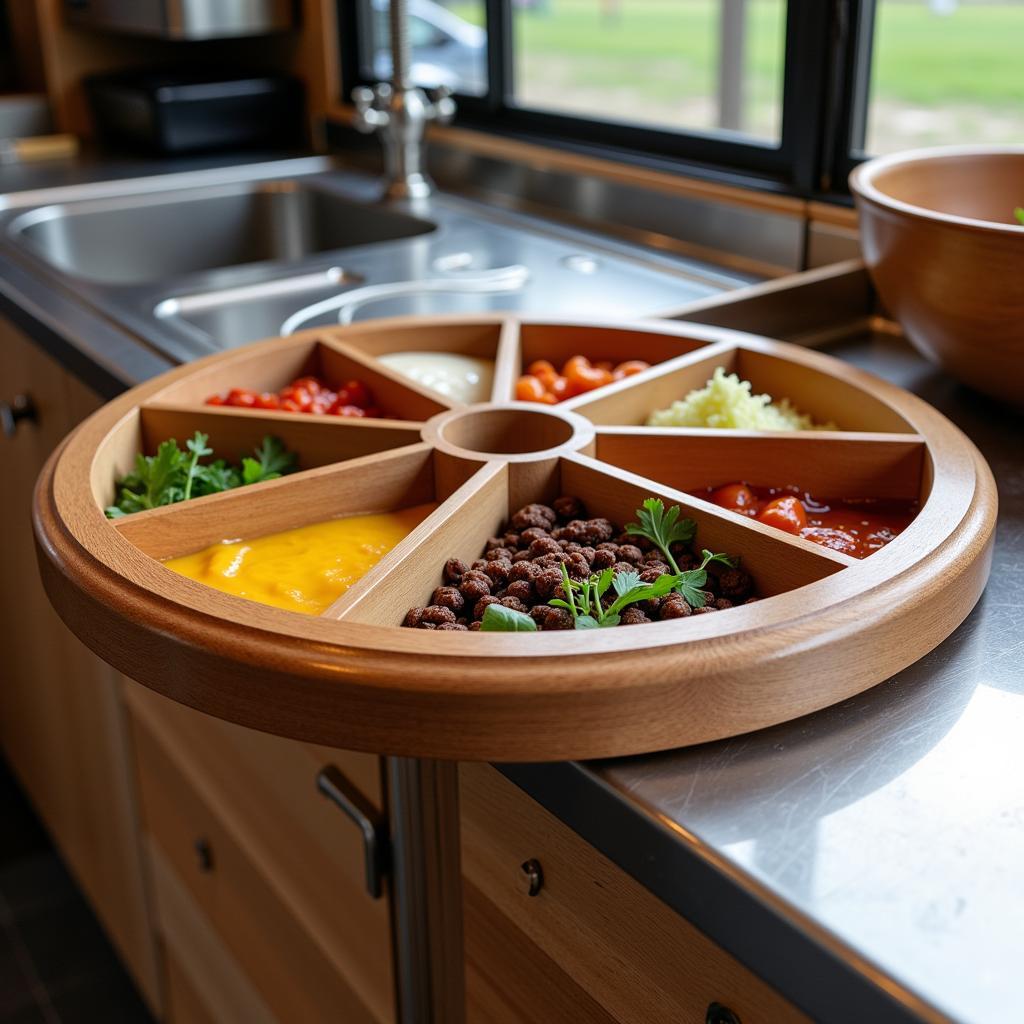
x,y
426,890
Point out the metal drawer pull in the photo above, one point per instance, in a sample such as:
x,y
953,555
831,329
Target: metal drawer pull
x,y
719,1014
531,878
335,786
21,407
204,854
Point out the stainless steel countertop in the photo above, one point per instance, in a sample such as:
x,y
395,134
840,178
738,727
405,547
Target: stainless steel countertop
x,y
888,830
867,860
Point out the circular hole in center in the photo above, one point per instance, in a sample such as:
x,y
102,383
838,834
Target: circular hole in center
x,y
507,431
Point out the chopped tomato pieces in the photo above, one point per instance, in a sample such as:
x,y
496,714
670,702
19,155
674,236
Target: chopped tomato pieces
x,y
306,394
785,514
543,383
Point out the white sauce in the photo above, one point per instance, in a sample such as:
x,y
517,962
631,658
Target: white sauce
x,y
465,378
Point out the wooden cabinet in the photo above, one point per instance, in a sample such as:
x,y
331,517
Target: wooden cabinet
x,y
62,723
591,946
274,869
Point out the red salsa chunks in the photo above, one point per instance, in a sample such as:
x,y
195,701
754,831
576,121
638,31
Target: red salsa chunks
x,y
854,526
305,394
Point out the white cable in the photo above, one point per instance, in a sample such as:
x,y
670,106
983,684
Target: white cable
x,y
500,279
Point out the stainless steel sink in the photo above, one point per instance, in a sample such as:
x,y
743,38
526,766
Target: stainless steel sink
x,y
195,262
153,237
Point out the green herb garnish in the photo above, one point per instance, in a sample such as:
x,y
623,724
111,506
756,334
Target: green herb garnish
x,y
499,619
584,597
663,529
272,460
1019,214
173,475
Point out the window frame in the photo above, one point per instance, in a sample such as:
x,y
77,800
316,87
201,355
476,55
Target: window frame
x,y
825,64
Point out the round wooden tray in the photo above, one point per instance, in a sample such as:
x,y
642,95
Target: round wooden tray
x,y
831,626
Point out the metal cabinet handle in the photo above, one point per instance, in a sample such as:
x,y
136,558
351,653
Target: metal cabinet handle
x,y
204,854
333,784
531,877
719,1014
21,407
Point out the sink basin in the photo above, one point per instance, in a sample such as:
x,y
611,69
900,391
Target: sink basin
x,y
151,237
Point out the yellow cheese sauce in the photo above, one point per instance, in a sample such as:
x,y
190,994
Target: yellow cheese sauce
x,y
303,570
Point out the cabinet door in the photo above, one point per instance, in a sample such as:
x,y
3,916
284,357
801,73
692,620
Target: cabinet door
x,y
251,907
588,944
62,721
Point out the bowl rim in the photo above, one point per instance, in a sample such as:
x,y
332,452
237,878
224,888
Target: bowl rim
x,y
862,184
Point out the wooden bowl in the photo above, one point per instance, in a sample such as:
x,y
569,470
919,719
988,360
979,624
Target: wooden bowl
x,y
947,256
828,626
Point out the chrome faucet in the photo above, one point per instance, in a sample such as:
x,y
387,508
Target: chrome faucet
x,y
401,111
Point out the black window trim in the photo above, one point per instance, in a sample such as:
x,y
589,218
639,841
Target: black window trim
x,y
824,89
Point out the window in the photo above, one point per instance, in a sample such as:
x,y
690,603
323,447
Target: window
x,y
793,92
943,71
673,64
448,41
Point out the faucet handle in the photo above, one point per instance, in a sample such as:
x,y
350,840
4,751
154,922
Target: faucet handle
x,y
371,104
442,106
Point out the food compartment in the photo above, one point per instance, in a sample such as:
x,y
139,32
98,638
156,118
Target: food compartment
x,y
457,361
233,438
347,517
855,494
826,464
267,373
566,360
441,574
828,401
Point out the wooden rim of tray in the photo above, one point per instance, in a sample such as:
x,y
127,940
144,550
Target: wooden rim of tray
x,y
831,627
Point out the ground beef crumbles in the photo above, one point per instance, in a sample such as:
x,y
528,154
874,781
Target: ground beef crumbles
x,y
521,569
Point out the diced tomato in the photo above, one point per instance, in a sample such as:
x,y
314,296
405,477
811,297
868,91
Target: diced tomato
x,y
559,387
584,377
268,400
837,540
358,393
629,368
737,497
297,395
215,400
572,363
242,398
311,384
541,368
530,389
785,513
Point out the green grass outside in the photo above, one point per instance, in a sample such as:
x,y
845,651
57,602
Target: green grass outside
x,y
972,56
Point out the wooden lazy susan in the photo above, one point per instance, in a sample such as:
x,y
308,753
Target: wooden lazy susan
x,y
826,626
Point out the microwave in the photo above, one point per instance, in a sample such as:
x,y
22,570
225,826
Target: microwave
x,y
184,19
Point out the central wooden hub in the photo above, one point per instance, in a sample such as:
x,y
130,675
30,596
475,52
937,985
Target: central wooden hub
x,y
515,431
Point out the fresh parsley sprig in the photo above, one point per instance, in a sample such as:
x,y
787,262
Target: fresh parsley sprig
x,y
272,460
173,475
663,529
692,581
583,598
199,448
